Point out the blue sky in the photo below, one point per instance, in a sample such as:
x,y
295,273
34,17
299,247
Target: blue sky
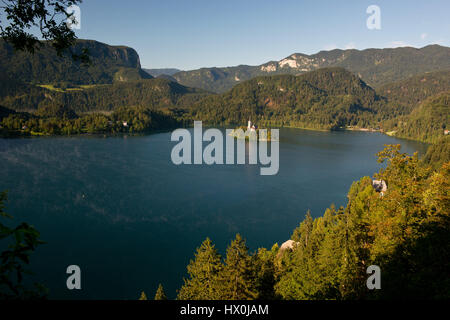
x,y
189,34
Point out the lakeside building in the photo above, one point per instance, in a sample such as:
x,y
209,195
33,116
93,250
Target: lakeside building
x,y
379,186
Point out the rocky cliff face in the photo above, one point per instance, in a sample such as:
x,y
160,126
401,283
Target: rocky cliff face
x,y
118,55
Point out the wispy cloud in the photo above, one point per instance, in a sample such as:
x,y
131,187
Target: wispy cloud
x,y
350,45
423,36
398,43
330,46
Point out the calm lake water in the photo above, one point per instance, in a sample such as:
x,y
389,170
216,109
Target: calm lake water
x,y
120,209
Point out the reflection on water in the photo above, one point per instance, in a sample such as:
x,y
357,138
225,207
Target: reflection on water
x,y
120,209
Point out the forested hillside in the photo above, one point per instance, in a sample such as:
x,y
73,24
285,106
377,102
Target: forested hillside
x,y
427,122
334,98
407,94
438,153
328,98
155,93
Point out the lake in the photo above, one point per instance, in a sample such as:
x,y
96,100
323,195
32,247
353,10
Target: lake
x,y
121,210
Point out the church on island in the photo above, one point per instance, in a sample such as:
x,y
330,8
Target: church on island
x,y
251,126
243,132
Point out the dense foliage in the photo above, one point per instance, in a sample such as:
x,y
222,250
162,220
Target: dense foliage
x,y
241,276
438,153
405,231
47,17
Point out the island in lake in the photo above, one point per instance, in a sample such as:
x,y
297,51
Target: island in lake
x,y
252,130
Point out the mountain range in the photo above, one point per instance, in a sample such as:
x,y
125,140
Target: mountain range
x,y
376,67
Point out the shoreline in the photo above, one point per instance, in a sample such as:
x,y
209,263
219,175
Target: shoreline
x,y
20,135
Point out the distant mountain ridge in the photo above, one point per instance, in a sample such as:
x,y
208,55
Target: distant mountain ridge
x,y
375,66
164,71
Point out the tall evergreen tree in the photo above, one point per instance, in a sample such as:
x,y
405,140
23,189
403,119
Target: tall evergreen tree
x,y
239,274
160,293
204,275
356,240
263,263
143,296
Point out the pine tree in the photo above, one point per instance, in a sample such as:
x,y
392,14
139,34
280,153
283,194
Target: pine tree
x,y
309,271
239,275
160,294
356,239
143,296
263,262
204,275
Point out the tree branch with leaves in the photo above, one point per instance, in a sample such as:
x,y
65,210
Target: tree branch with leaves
x,y
18,18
